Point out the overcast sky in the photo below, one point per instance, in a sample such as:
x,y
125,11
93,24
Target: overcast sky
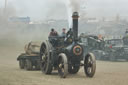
x,y
42,9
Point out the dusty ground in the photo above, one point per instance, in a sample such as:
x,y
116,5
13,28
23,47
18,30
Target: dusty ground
x,y
107,73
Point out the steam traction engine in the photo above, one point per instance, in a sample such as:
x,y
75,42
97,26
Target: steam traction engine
x,y
66,54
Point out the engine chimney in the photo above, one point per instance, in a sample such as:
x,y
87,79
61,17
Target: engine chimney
x,y
75,17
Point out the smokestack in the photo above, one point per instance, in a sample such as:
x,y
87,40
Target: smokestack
x,y
75,17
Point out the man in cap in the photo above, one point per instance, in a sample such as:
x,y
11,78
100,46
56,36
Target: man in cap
x,y
63,34
52,37
53,33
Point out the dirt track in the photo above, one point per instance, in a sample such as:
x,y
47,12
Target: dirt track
x,y
107,73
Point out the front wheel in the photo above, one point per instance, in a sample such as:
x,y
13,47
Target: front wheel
x,y
90,65
62,65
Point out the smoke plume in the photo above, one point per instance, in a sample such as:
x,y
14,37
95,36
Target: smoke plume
x,y
73,6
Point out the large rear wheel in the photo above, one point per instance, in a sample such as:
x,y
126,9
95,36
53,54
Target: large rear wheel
x,y
45,58
62,65
90,65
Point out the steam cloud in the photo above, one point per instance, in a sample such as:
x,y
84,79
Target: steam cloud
x,y
73,6
21,32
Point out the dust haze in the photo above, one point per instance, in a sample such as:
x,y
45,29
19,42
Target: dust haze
x,y
47,14
22,33
14,35
41,12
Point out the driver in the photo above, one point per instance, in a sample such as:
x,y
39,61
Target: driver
x,y
63,34
53,33
52,37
